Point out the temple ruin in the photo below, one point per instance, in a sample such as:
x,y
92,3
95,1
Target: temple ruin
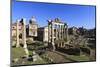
x,y
21,29
57,34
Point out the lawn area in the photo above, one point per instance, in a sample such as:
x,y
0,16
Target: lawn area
x,y
78,58
40,61
74,58
17,52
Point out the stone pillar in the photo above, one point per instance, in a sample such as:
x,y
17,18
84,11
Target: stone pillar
x,y
62,32
59,32
53,44
17,34
58,45
63,36
49,32
56,33
24,37
67,32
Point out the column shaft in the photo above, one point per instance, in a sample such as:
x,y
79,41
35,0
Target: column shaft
x,y
24,37
53,43
17,33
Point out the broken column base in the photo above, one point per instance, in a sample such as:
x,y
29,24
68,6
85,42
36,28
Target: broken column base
x,y
27,53
53,45
17,45
26,50
34,56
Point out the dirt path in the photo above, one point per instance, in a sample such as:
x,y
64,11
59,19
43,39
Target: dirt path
x,y
57,58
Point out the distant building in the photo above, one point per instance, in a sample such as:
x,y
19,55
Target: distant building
x,y
43,34
32,28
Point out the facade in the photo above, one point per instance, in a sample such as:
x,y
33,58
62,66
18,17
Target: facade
x,y
43,34
32,28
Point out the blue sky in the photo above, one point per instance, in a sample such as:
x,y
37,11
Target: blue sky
x,y
73,15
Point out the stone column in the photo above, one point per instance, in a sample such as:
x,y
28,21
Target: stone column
x,y
49,32
59,32
62,32
63,35
67,32
17,34
58,45
56,33
53,44
24,38
60,35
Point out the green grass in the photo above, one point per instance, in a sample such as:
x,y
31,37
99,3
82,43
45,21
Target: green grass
x,y
18,52
30,52
40,61
78,58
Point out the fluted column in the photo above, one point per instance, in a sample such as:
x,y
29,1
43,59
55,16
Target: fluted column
x,y
17,34
49,32
59,32
56,35
53,44
62,36
62,32
65,32
24,37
